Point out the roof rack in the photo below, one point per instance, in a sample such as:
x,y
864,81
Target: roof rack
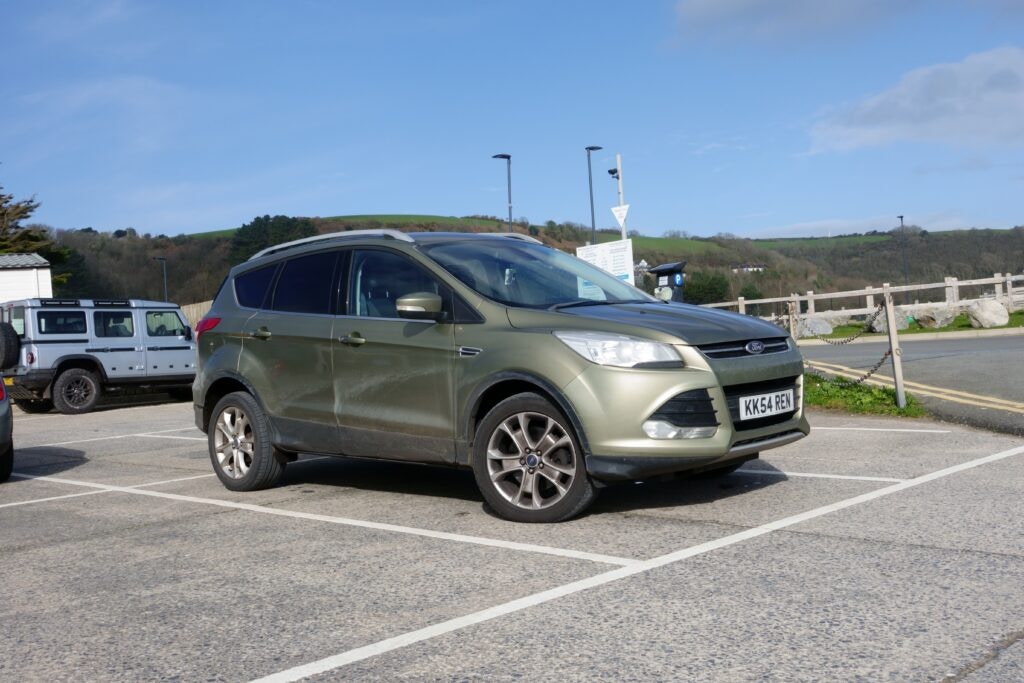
x,y
385,233
518,236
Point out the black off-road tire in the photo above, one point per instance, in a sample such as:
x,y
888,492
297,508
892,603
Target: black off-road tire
x,y
76,391
10,346
6,463
39,405
239,443
528,463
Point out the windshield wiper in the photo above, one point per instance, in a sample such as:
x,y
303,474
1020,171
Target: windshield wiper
x,y
594,302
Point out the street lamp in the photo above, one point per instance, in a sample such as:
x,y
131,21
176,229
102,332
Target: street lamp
x,y
903,248
590,183
163,262
508,167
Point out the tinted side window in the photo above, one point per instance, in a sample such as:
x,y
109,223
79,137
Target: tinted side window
x,y
113,324
306,284
251,288
61,322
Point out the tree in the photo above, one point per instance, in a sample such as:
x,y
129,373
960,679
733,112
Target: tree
x,y
265,232
706,288
15,239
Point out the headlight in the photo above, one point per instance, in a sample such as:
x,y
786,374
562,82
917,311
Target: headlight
x,y
620,350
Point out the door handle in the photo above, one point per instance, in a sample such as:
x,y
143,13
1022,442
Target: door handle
x,y
353,340
261,333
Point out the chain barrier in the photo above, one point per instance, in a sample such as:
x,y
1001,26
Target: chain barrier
x,y
867,328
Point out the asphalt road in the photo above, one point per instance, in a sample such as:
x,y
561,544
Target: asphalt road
x,y
977,368
875,549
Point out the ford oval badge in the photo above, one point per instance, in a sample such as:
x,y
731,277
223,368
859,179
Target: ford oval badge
x,y
755,347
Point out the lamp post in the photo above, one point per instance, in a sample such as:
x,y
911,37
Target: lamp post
x,y
903,248
590,184
163,262
508,167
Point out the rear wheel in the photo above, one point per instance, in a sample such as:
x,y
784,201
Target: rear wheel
x,y
240,448
41,405
76,391
10,345
528,463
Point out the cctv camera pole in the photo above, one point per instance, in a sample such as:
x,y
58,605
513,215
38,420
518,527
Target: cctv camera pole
x,y
618,175
590,184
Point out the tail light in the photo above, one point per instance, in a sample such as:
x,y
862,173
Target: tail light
x,y
204,325
3,391
30,358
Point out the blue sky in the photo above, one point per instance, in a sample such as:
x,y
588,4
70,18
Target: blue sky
x,y
754,117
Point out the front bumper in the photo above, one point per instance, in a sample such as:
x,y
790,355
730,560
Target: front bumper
x,y
30,385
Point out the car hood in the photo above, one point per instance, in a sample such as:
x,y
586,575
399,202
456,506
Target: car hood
x,y
692,324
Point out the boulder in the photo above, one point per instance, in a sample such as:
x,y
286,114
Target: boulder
x,y
988,313
881,324
836,319
936,316
811,327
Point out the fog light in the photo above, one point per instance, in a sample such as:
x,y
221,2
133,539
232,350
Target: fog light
x,y
658,429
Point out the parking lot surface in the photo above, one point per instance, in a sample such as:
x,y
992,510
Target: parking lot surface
x,y
875,549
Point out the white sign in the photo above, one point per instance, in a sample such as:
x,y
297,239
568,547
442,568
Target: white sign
x,y
620,214
613,257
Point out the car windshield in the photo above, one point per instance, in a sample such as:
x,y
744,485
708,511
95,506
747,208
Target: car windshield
x,y
519,273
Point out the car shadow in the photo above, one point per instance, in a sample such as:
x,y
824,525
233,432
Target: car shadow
x,y
444,482
684,490
44,461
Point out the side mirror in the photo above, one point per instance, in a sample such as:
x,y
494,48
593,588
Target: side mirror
x,y
420,306
188,333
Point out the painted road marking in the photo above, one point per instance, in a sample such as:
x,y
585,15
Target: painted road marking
x,y
924,389
107,438
879,429
377,526
445,627
779,473
47,500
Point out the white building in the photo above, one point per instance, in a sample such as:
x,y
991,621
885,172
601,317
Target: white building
x,y
24,276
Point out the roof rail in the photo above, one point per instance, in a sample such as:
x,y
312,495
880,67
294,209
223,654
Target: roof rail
x,y
385,233
518,236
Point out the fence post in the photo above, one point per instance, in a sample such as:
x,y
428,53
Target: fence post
x,y
810,302
894,347
999,286
792,319
869,299
1009,292
741,305
952,291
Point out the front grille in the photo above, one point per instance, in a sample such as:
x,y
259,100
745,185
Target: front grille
x,y
734,392
688,409
738,349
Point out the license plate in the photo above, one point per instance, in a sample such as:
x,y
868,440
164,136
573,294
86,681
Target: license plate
x,y
763,405
9,381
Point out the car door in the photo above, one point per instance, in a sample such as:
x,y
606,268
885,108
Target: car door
x,y
393,376
287,353
117,344
169,351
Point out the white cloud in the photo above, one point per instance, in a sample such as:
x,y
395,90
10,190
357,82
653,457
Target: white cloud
x,y
979,101
774,19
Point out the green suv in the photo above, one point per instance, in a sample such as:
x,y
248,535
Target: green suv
x,y
545,375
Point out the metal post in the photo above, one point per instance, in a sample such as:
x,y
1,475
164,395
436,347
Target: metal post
x,y
903,244
508,172
590,184
894,347
622,202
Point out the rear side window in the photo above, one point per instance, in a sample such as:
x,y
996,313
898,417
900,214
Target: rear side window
x,y
251,288
306,284
113,324
18,320
61,322
164,324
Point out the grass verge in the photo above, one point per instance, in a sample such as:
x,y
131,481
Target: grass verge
x,y
960,324
859,398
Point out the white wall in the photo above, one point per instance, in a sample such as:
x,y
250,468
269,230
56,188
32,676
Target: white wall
x,y
25,283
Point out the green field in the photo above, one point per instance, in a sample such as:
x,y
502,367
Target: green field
x,y
830,242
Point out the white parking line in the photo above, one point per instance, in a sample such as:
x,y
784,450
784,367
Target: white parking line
x,y
880,429
106,438
405,639
378,526
47,500
164,436
811,475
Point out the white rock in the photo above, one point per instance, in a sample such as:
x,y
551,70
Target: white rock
x,y
987,313
936,316
810,327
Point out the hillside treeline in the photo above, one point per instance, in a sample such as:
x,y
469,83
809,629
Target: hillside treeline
x,y
123,263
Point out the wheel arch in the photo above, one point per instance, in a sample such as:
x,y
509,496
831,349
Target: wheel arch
x,y
507,384
83,362
221,387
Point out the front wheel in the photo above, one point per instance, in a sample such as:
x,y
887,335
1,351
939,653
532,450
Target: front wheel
x,y
528,463
240,448
76,391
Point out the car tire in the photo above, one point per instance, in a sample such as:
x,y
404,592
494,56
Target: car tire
x,y
40,405
10,346
6,463
76,391
239,443
528,463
